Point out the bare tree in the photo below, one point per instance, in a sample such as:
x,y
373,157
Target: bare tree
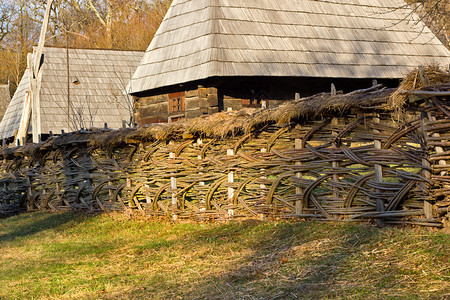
x,y
6,12
435,14
83,114
120,97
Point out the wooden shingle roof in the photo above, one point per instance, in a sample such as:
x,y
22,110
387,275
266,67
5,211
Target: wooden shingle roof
x,y
97,85
199,39
13,115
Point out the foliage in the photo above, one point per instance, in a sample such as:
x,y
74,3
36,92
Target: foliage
x,y
66,256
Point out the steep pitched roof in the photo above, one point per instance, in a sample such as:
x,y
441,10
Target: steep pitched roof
x,y
307,38
97,85
11,120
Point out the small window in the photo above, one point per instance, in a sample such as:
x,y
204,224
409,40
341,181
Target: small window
x,y
258,100
254,103
176,103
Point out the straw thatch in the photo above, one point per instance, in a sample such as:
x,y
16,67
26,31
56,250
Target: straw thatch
x,y
237,123
298,38
233,123
420,78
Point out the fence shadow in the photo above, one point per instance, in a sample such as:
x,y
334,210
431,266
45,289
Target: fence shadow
x,y
33,224
285,262
272,270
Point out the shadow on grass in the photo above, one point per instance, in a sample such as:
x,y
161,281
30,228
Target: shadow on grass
x,y
280,263
275,270
32,223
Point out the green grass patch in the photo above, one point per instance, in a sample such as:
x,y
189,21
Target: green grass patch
x,y
70,256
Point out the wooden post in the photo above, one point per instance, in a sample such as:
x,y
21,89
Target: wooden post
x,y
424,118
334,133
335,164
299,191
26,112
34,82
263,103
200,143
263,186
427,206
378,173
173,184
333,90
30,188
35,109
148,199
110,183
129,184
297,96
68,82
230,189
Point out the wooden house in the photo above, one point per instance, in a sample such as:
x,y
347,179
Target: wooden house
x,y
77,88
214,55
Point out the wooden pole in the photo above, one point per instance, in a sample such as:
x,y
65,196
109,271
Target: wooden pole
x,y
129,184
378,173
35,77
173,184
200,143
299,191
68,82
262,186
230,189
425,117
335,165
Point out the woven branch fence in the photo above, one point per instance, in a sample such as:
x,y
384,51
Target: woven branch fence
x,y
328,157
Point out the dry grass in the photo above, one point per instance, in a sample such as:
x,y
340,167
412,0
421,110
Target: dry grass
x,y
418,79
67,256
234,123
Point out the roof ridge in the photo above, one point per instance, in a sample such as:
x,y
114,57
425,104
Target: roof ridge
x,y
90,49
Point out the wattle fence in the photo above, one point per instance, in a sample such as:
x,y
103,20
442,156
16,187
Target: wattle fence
x,y
340,157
